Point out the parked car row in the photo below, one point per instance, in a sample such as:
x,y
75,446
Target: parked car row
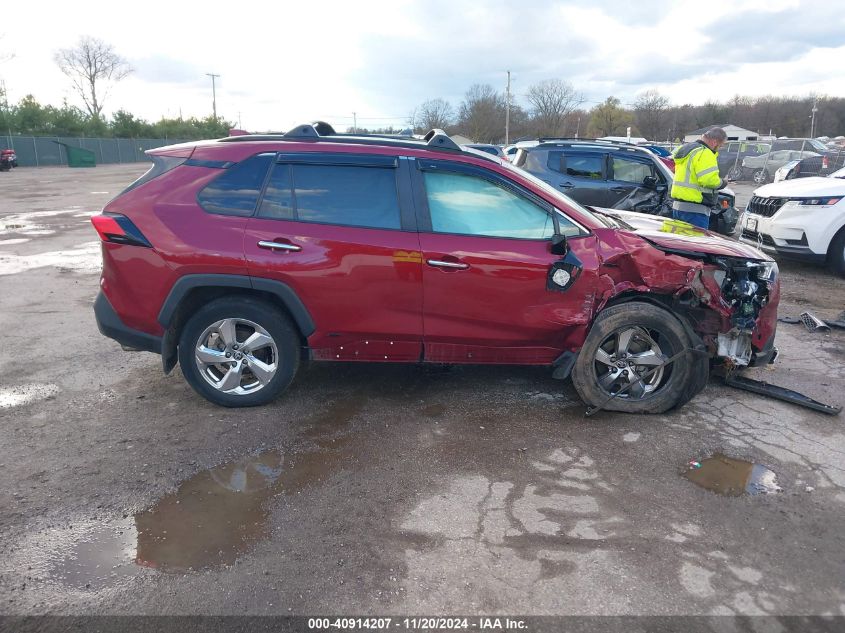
x,y
760,162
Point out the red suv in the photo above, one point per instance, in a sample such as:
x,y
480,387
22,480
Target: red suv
x,y
241,257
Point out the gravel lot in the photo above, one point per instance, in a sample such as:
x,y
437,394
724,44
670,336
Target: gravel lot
x,y
378,489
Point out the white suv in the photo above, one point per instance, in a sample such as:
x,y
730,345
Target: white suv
x,y
802,218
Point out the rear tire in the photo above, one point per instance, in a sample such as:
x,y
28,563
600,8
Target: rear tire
x,y
672,386
735,173
239,351
761,176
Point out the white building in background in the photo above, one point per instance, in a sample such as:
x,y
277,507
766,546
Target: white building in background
x,y
735,133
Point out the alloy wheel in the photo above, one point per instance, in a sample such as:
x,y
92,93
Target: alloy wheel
x,y
236,356
625,356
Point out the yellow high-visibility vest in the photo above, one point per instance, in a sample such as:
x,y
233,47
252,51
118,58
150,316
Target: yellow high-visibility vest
x,y
696,172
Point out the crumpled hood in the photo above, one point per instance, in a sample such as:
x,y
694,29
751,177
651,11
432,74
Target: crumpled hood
x,y
680,236
803,188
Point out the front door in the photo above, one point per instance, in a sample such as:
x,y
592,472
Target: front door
x,y
486,259
579,175
627,175
339,230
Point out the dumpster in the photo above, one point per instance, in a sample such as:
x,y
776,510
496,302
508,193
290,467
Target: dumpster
x,y
78,157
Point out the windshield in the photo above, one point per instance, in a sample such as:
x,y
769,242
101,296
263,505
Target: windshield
x,y
546,187
818,145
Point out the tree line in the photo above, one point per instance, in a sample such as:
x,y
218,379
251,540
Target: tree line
x,y
30,118
92,65
555,108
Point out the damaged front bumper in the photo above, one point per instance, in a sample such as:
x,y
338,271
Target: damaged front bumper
x,y
745,295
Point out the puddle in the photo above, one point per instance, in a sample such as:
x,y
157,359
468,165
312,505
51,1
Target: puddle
x,y
32,223
86,258
99,556
733,477
24,394
210,521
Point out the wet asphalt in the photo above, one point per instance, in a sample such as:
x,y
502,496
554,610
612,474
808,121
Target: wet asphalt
x,y
382,489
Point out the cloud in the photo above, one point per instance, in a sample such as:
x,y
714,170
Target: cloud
x,y
168,70
778,36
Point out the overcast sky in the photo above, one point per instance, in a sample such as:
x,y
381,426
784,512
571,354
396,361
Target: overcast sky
x,y
282,62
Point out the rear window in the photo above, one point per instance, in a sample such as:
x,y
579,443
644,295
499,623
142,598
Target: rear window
x,y
333,194
236,190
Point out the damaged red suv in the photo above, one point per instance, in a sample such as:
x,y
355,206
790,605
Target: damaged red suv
x,y
239,258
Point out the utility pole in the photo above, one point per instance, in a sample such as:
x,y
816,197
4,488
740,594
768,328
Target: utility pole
x,y
578,126
354,123
813,120
213,93
508,111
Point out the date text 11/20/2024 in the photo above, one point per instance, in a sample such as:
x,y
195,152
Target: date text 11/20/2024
x,y
419,624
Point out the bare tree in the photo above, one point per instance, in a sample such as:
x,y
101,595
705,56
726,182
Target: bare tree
x,y
435,114
552,101
91,64
482,114
650,111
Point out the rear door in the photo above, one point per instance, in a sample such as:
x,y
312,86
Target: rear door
x,y
486,259
339,230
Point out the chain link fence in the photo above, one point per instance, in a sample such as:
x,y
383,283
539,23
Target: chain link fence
x,y
41,151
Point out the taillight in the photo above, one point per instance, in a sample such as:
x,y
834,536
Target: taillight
x,y
116,228
825,162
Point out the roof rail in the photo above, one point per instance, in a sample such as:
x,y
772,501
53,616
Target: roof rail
x,y
305,131
436,139
552,139
439,139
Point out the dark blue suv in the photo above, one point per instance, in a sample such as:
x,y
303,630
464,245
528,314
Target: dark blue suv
x,y
613,175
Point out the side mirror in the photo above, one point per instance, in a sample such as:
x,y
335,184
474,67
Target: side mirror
x,y
559,245
650,182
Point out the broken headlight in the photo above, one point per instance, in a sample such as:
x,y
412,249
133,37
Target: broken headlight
x,y
766,271
746,289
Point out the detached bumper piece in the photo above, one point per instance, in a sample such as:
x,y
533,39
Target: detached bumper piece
x,y
778,393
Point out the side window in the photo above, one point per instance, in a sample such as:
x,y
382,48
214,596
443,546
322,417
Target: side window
x,y
587,166
473,206
236,190
556,162
277,202
333,194
628,170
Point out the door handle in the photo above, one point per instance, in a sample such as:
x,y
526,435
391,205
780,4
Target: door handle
x,y
279,245
439,263
566,185
619,189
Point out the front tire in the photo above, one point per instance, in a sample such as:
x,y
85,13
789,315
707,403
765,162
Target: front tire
x,y
627,341
836,253
761,176
239,352
735,173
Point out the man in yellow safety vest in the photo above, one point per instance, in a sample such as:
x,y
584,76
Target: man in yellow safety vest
x,y
697,178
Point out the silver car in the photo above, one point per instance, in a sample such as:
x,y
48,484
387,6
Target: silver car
x,y
762,167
